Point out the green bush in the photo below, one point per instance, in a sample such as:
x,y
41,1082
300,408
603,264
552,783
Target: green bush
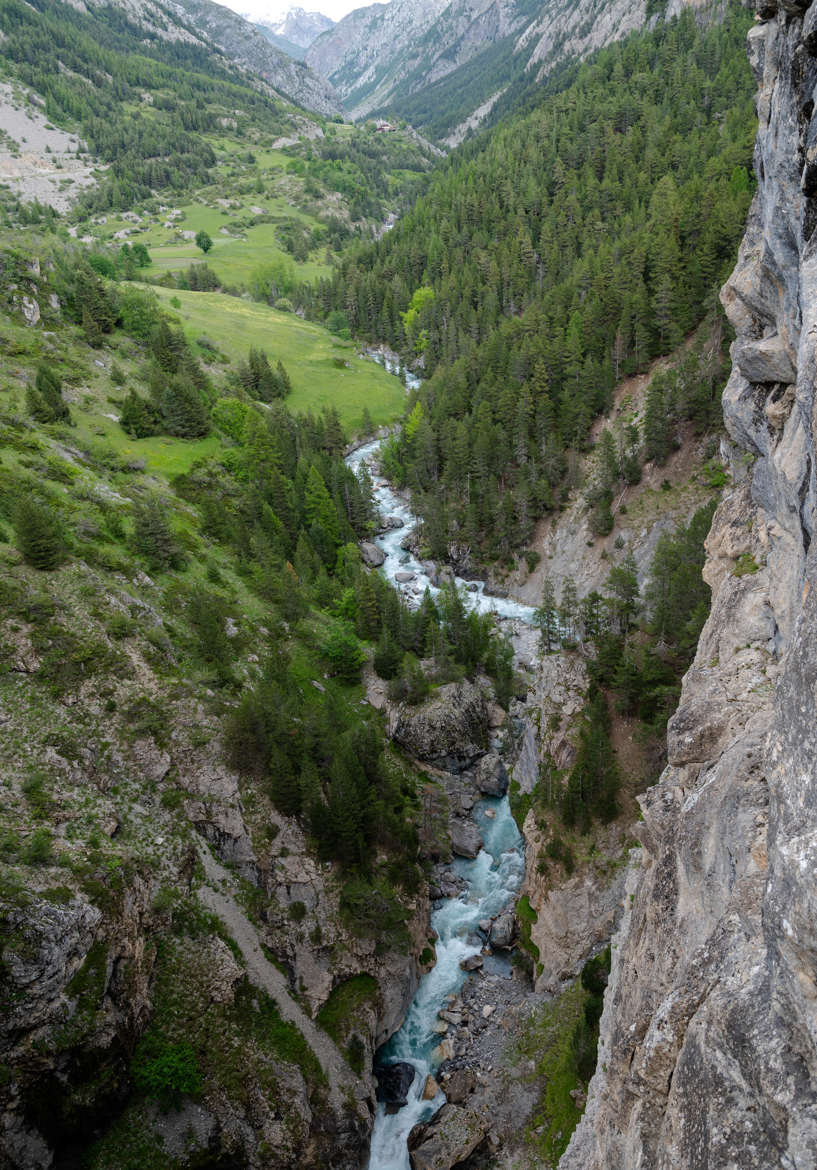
x,y
153,537
39,848
165,1071
343,651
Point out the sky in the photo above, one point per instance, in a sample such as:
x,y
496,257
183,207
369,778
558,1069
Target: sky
x,y
272,10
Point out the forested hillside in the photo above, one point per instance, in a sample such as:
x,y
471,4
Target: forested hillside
x,y
548,259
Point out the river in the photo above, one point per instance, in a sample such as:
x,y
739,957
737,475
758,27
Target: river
x,y
492,879
389,503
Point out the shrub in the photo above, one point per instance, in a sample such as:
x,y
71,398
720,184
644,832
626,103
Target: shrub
x,y
165,1071
39,848
153,537
342,650
44,399
387,657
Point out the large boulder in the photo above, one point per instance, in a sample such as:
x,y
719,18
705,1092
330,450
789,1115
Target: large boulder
x,y
449,729
459,1085
372,555
503,931
394,1082
452,1135
490,775
466,840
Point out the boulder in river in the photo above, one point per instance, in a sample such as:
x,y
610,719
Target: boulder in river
x,y
490,775
503,931
431,1088
452,1135
394,1082
472,963
494,591
403,577
372,555
466,840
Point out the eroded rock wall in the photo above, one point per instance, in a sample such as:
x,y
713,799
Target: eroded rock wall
x,y
708,1052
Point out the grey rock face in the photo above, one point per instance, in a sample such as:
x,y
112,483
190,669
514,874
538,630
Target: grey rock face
x,y
448,729
708,1052
372,555
250,48
394,1082
503,931
448,1139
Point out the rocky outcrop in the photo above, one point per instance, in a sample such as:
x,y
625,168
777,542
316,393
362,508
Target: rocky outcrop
x,y
465,838
708,1052
490,775
572,915
448,730
372,555
452,1135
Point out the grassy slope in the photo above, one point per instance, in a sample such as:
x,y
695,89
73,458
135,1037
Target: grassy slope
x,y
308,352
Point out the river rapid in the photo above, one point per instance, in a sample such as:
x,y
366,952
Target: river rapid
x,y
492,879
401,561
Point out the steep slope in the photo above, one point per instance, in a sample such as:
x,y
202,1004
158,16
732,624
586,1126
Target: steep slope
x,y
247,46
378,53
572,244
130,972
708,1050
443,65
201,23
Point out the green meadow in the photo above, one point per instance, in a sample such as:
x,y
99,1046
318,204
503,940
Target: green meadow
x,y
324,370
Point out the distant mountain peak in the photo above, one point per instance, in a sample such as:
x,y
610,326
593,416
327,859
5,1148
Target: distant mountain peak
x,y
300,27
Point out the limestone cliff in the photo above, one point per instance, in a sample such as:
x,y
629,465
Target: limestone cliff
x,y
708,1050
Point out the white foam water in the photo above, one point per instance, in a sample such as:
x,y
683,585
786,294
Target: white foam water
x,y
492,881
399,561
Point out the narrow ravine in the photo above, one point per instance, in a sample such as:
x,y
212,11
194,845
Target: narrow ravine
x,y
492,880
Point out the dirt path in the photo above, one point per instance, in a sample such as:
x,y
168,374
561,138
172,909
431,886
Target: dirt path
x,y
217,895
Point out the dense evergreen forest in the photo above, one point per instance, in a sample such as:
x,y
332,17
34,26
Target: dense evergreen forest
x,y
552,257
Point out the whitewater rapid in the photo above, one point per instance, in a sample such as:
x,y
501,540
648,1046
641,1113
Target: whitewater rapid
x,y
492,881
398,560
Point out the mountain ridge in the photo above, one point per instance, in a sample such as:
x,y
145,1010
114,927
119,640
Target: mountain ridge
x,y
438,64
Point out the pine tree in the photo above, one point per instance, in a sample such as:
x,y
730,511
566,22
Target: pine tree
x,y
44,400
39,533
568,609
546,617
139,417
184,413
153,536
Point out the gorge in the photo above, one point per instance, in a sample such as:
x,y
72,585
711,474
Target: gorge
x,y
408,675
